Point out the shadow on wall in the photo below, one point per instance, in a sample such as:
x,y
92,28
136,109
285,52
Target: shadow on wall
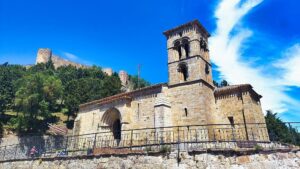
x,y
42,143
1,132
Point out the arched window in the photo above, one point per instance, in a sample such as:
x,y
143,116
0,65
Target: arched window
x,y
183,70
203,45
186,46
178,49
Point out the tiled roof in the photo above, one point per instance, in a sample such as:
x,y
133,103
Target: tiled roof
x,y
226,90
120,96
194,22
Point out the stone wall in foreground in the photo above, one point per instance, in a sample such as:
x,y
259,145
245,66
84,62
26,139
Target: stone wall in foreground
x,y
255,161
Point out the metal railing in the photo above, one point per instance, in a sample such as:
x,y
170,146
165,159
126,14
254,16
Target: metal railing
x,y
188,138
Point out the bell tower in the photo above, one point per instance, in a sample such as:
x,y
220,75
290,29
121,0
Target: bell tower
x,y
188,54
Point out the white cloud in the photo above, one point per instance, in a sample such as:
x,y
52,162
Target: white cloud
x,y
71,56
75,58
226,44
290,63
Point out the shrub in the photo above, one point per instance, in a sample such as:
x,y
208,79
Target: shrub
x,y
165,149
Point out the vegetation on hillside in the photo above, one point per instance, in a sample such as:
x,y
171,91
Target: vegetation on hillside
x,y
137,82
223,83
280,131
33,97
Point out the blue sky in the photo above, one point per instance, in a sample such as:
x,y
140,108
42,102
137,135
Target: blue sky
x,y
253,41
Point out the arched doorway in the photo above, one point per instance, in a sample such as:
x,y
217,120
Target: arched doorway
x,y
117,128
112,119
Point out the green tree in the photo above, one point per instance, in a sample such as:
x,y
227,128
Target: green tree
x,y
224,83
46,68
8,75
84,90
138,83
67,74
216,83
36,98
71,100
279,131
111,85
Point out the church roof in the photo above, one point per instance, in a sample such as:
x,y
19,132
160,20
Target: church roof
x,y
231,89
127,95
194,22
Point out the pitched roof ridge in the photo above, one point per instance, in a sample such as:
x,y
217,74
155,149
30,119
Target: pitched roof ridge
x,y
120,95
233,86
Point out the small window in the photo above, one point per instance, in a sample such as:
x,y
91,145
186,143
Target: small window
x,y
203,45
206,69
138,111
231,120
186,112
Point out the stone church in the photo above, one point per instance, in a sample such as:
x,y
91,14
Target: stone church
x,y
189,97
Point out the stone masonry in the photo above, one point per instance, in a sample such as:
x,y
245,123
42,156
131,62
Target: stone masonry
x,y
289,160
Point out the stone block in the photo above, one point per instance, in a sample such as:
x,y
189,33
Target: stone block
x,y
242,160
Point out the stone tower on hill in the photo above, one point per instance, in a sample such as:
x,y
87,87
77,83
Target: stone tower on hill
x,y
45,54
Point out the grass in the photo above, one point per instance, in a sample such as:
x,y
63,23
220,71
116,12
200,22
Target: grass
x,y
10,113
60,115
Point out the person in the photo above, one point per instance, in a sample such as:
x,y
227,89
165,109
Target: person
x,y
33,151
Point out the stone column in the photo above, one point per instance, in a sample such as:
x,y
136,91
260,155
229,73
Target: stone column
x,y
162,116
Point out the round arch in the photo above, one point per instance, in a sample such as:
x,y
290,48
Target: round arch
x,y
183,70
112,118
186,46
177,47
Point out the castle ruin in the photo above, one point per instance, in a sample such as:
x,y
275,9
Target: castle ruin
x,y
45,54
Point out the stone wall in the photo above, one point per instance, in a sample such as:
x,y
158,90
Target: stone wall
x,y
170,161
191,104
243,107
134,114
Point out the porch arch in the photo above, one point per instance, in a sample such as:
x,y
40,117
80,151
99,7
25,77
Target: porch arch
x,y
112,118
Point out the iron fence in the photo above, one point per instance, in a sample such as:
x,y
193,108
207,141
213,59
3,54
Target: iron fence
x,y
188,138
